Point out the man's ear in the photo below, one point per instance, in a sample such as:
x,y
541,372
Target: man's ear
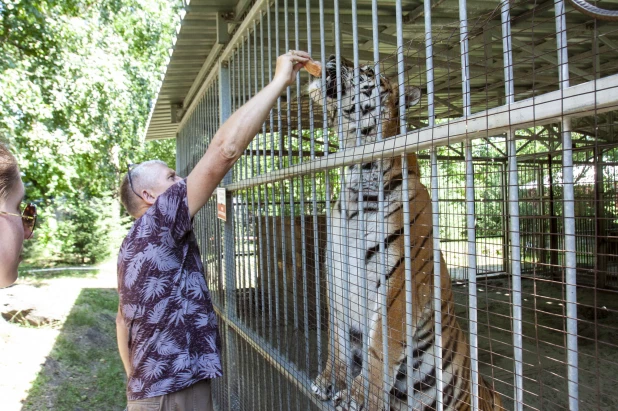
x,y
149,198
413,96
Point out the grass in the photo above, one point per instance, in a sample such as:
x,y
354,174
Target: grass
x,y
83,370
31,274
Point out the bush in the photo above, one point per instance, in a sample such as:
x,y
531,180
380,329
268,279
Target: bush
x,y
77,231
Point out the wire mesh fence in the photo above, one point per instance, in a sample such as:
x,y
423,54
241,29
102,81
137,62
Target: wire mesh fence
x,y
430,224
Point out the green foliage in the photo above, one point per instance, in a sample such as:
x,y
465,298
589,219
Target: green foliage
x,y
39,277
164,150
77,80
87,229
77,230
83,370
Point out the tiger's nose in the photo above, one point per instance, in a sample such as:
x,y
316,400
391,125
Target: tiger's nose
x,y
331,64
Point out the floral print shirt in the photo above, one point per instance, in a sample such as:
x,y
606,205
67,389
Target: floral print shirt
x,y
173,335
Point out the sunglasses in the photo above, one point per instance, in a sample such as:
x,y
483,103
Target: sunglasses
x,y
28,218
129,166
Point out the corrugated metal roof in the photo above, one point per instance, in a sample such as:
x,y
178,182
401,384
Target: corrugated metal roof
x,y
196,40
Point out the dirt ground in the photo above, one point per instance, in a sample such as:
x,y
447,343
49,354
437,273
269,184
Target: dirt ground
x,y
544,353
545,370
36,309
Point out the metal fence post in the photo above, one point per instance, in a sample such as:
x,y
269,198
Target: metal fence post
x,y
513,213
229,251
470,208
435,218
570,260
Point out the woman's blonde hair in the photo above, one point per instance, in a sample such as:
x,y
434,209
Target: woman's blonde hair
x,y
9,172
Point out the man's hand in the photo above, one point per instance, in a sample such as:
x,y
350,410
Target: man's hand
x,y
122,335
288,65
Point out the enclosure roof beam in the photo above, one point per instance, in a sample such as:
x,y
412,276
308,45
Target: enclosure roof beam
x,y
550,58
241,7
608,42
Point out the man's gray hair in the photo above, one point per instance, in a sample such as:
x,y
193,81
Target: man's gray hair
x,y
141,179
140,175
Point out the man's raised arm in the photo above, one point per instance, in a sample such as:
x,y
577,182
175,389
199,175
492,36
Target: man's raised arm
x,y
234,136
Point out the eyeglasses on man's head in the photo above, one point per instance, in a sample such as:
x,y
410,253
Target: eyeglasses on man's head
x,y
129,166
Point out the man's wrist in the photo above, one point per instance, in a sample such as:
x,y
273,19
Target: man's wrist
x,y
279,84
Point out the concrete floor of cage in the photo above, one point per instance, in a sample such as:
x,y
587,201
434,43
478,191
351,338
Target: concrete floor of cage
x,y
262,387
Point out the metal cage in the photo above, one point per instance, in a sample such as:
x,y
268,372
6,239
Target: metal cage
x,y
517,144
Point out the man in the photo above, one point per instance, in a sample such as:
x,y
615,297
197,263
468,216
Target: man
x,y
167,331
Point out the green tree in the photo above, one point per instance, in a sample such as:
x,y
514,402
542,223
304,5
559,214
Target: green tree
x,y
77,79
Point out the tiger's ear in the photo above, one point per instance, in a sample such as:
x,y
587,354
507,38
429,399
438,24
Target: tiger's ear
x,y
413,96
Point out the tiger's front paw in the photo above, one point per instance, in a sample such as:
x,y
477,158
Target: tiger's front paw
x,y
322,388
344,401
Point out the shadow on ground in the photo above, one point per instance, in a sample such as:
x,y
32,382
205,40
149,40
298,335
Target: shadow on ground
x,y
83,370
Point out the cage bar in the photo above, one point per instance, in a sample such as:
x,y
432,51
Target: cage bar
x,y
513,210
569,215
230,252
470,208
435,209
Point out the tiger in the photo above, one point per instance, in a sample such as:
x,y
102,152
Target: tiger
x,y
345,224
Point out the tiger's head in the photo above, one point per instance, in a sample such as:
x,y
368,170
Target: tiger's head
x,y
365,124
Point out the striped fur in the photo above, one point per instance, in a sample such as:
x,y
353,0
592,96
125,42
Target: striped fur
x,y
361,253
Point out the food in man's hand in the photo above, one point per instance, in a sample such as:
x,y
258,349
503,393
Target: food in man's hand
x,y
314,68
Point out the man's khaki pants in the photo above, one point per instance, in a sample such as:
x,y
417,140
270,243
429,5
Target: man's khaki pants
x,y
197,397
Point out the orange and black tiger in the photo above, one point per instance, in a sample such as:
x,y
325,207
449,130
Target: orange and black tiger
x,y
356,245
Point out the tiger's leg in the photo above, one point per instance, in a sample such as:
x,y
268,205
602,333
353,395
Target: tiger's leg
x,y
335,367
354,399
489,399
